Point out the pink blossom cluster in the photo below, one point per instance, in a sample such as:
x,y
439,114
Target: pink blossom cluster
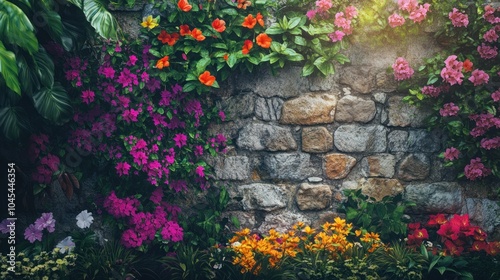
x,y
38,143
479,77
402,69
484,122
452,72
496,95
487,52
49,164
490,36
489,14
476,170
490,143
396,20
449,110
343,20
458,19
451,154
75,70
417,13
431,91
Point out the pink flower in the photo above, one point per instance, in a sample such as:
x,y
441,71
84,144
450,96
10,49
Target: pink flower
x,y
488,144
496,96
487,52
431,91
131,60
222,116
402,69
32,233
130,115
476,169
323,5
46,221
336,36
198,151
451,154
200,171
408,5
108,72
419,14
458,19
351,12
87,96
452,73
479,77
180,140
342,22
157,196
172,231
449,110
51,161
396,20
122,168
311,14
489,15
490,36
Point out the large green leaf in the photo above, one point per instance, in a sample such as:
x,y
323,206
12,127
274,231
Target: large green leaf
x,y
27,73
51,22
44,67
13,122
99,17
53,104
16,28
8,68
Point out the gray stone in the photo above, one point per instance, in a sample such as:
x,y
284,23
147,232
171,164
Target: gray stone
x,y
379,188
315,179
232,168
354,109
320,83
239,106
380,97
245,218
385,81
402,114
414,167
313,197
268,109
263,197
398,141
484,212
381,165
290,166
316,140
359,78
309,109
357,138
441,197
288,82
281,221
422,141
257,137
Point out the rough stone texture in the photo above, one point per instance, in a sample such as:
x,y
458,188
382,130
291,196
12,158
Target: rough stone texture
x,y
286,83
290,166
380,97
397,141
246,219
338,166
320,83
402,114
312,108
423,141
414,167
441,197
316,140
357,138
282,221
385,81
354,109
268,109
241,105
232,168
359,78
485,212
315,179
381,165
128,21
313,196
378,188
258,136
264,197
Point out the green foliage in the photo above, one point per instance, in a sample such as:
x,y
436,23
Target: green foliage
x,y
39,266
385,217
444,267
484,267
188,264
399,262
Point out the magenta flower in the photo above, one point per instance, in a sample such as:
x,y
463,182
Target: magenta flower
x,y
420,13
3,226
451,154
431,91
198,151
351,12
157,196
449,110
476,169
323,5
88,96
311,14
122,168
131,60
496,96
488,144
458,19
487,52
479,77
396,20
490,36
200,171
172,231
402,69
222,115
408,5
336,36
51,161
180,140
32,233
452,73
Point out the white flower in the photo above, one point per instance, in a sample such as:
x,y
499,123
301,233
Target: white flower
x,y
84,219
66,244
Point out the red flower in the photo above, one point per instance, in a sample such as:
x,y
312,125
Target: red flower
x,y
247,46
452,248
169,39
467,65
260,19
243,4
219,25
493,248
478,246
184,30
184,5
197,34
263,40
206,79
162,62
249,22
226,57
436,220
449,230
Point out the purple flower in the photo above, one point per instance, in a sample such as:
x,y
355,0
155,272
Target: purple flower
x,y
180,140
32,233
46,221
200,171
3,226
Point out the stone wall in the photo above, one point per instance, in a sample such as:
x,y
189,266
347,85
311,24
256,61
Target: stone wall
x,y
298,142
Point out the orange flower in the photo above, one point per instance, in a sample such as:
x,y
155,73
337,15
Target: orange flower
x,y
206,79
184,30
260,19
184,5
243,4
468,65
263,40
197,34
169,39
249,21
247,46
226,57
219,25
162,62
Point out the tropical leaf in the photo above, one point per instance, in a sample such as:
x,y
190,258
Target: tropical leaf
x,y
8,68
13,122
99,17
16,28
53,104
44,67
27,73
51,22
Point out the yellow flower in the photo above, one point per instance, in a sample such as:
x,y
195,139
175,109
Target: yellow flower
x,y
149,22
308,230
357,232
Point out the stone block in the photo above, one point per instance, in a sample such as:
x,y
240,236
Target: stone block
x,y
360,78
313,196
357,138
264,197
268,109
338,166
440,197
380,165
354,109
402,114
398,141
316,140
232,168
239,106
258,137
290,166
282,221
309,109
414,167
378,188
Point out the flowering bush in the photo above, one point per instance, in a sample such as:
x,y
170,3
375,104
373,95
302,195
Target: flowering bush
x,y
42,266
462,89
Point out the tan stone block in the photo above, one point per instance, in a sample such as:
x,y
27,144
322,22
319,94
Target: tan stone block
x,y
313,197
378,188
309,109
338,166
316,140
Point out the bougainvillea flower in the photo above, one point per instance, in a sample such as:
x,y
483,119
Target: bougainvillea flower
x,y
263,40
184,5
197,34
249,21
260,19
458,19
219,25
247,46
184,30
243,4
206,79
167,38
162,62
149,22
